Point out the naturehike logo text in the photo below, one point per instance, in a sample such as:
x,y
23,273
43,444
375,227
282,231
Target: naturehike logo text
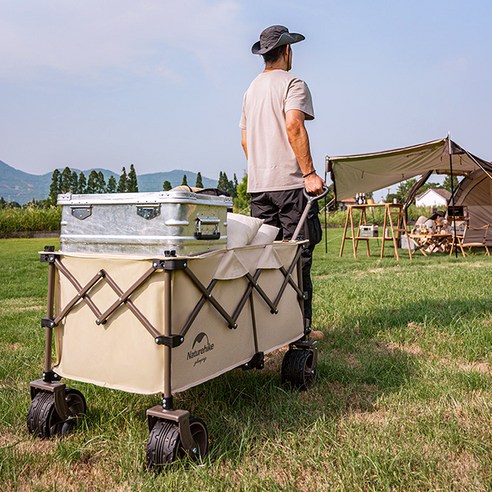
x,y
203,346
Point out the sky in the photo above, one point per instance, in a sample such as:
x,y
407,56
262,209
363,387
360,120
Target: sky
x,y
159,83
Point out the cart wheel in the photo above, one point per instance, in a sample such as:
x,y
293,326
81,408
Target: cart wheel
x,y
299,369
76,408
164,444
43,419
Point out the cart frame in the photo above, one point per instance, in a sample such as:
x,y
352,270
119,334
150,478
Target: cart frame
x,y
170,338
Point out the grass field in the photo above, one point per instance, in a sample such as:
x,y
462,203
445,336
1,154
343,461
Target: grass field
x,y
403,399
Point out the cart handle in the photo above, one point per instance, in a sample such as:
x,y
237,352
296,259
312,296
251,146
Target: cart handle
x,y
310,200
314,198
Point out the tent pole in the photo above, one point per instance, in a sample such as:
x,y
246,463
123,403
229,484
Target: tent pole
x,y
326,228
452,193
327,159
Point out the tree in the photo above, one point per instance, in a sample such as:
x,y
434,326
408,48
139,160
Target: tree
x,y
225,185
65,180
199,181
185,181
123,182
93,182
101,183
132,182
221,182
232,186
447,183
54,187
3,203
427,186
42,203
242,199
390,197
32,204
74,182
111,186
166,186
82,184
404,188
231,189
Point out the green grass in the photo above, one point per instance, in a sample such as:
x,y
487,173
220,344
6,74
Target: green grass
x,y
403,399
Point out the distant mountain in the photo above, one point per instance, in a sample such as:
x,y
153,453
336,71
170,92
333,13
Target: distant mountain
x,y
21,187
153,181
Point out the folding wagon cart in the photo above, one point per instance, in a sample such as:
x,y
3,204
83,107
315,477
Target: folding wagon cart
x,y
163,323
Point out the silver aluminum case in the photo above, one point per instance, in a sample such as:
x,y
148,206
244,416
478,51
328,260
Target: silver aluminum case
x,y
143,224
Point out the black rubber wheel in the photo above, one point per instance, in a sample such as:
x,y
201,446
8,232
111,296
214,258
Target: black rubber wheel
x,y
76,409
299,369
43,419
164,445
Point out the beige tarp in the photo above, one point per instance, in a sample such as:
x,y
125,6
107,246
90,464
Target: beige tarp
x,y
365,173
121,354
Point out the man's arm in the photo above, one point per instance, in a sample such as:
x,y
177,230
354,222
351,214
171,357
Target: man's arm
x,y
244,142
299,141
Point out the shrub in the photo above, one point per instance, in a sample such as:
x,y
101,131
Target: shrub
x,y
374,215
15,220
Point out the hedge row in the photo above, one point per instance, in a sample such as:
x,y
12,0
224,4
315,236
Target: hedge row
x,y
15,220
375,215
48,219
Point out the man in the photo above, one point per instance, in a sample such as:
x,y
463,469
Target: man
x,y
276,145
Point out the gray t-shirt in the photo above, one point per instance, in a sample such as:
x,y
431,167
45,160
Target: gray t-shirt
x,y
272,164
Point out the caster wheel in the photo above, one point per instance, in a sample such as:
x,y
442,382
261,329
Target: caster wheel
x,y
164,445
76,409
299,369
43,419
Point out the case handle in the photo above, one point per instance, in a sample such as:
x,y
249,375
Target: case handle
x,y
207,228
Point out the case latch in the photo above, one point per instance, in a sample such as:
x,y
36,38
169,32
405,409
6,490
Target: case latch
x,y
148,212
82,213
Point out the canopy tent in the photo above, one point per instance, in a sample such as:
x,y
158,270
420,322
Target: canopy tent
x,y
475,192
370,172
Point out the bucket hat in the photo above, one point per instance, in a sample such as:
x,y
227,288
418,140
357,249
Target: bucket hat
x,y
273,37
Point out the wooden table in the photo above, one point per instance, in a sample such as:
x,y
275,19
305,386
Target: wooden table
x,y
429,243
394,221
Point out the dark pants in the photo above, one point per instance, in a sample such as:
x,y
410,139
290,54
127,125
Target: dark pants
x,y
283,209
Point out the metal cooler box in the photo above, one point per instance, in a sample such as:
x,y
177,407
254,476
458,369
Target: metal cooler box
x,y
154,223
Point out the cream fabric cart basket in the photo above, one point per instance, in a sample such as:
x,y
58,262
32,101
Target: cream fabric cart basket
x,y
162,325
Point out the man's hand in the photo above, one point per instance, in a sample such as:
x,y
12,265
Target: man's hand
x,y
314,184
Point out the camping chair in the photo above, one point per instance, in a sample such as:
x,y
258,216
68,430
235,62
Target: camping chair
x,y
473,237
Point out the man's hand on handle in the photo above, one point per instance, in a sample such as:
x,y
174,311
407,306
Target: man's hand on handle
x,y
314,184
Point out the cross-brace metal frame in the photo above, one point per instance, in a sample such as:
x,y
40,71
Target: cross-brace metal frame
x,y
169,339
